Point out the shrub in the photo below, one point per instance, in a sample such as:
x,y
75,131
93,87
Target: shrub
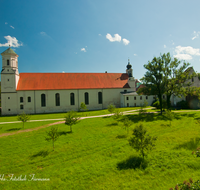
x,y
187,185
23,117
117,114
183,104
157,104
111,108
197,152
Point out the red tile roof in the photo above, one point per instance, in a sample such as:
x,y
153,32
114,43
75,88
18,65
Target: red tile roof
x,y
61,81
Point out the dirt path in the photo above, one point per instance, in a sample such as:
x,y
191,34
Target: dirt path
x,y
32,129
60,122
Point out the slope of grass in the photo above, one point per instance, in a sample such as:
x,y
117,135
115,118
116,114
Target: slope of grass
x,y
97,155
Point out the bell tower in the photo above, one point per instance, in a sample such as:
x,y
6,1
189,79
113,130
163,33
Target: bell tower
x,y
131,80
9,73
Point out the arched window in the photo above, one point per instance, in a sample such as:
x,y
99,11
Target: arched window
x,y
43,100
86,98
100,97
72,99
8,62
21,99
29,99
57,96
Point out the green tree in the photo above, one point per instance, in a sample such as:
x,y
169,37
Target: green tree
x,y
52,135
71,118
111,108
127,123
169,115
166,76
117,114
142,107
23,117
141,141
83,107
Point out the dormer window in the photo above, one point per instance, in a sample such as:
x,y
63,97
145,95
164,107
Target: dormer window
x,y
8,62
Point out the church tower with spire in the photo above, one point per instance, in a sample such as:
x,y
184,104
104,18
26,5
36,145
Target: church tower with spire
x,y
131,80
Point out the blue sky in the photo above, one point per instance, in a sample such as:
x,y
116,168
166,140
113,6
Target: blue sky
x,y
99,35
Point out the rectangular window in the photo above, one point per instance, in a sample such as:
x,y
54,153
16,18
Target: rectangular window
x,y
135,104
21,107
163,96
135,98
21,99
126,98
127,104
146,97
8,97
140,97
8,109
125,91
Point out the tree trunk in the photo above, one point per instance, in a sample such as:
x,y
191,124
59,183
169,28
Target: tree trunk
x,y
168,102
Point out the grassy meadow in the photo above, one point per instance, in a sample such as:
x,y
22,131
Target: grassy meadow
x,y
97,155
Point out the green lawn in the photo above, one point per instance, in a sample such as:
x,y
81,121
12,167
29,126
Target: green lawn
x,y
97,155
62,115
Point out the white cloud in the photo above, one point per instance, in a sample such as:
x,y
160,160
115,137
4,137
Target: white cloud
x,y
135,54
183,56
12,27
165,46
125,41
186,52
116,38
99,34
43,33
12,41
83,49
196,35
6,23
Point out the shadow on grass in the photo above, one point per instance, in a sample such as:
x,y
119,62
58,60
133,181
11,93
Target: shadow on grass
x,y
165,125
193,144
133,162
14,129
112,124
106,117
42,153
121,136
64,132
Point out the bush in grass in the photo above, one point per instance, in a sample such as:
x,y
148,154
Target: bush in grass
x,y
182,104
111,108
197,152
83,107
169,115
127,123
187,185
141,141
142,107
117,114
71,118
23,117
52,135
157,104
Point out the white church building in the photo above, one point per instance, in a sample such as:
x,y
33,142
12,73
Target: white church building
x,y
60,92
